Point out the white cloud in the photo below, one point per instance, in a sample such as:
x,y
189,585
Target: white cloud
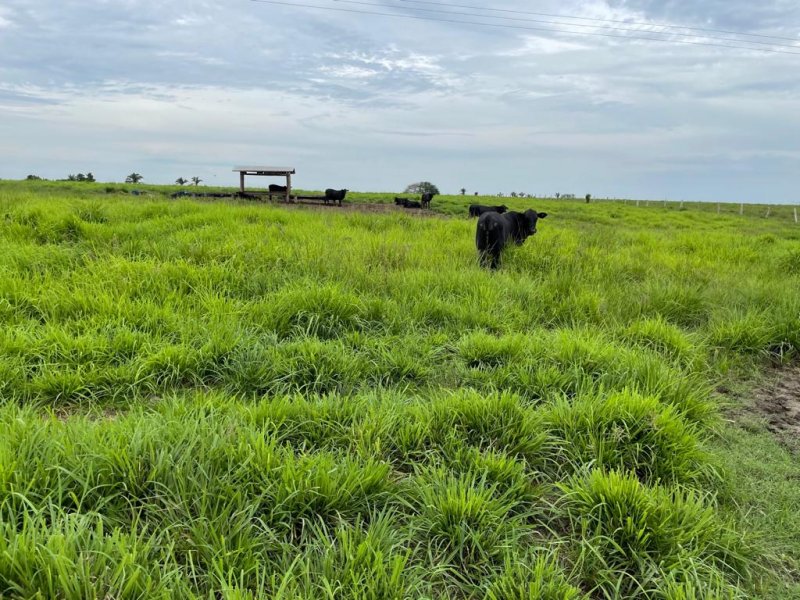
x,y
191,88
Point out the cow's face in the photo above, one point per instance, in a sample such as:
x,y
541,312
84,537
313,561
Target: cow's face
x,y
531,219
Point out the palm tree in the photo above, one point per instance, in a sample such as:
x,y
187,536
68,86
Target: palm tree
x,y
134,178
196,180
181,181
463,191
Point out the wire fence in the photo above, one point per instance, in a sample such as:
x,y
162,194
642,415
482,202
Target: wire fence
x,y
766,211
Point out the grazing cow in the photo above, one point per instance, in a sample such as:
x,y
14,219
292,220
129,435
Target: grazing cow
x,y
334,196
496,230
426,199
476,210
274,188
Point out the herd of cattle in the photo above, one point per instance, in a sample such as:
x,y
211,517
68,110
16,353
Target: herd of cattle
x,y
497,226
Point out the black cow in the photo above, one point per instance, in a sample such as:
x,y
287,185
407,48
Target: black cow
x,y
334,196
400,201
412,204
476,210
274,188
426,199
496,230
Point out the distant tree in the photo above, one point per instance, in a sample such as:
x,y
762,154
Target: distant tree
x,y
588,198
33,178
422,187
558,195
80,177
71,177
499,194
476,193
90,178
181,181
513,194
463,191
196,180
133,178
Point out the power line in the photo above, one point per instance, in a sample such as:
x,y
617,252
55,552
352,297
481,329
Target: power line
x,y
522,27
562,16
607,27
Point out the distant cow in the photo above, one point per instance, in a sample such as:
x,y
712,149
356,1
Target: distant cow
x,y
274,188
426,199
476,210
334,196
496,230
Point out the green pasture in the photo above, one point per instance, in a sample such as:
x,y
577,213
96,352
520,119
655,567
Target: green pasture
x,y
231,399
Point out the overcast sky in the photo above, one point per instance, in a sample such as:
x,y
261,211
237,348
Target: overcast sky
x,y
193,88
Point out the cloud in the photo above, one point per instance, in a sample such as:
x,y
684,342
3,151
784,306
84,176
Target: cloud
x,y
366,102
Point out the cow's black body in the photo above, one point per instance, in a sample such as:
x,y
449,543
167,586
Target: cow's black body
x,y
273,187
476,210
426,199
334,196
495,231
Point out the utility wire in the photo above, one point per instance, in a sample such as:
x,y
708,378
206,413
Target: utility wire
x,y
561,16
522,27
562,23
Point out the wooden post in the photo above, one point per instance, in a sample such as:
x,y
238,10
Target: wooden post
x,y
795,214
241,181
768,209
637,203
681,204
288,187
741,208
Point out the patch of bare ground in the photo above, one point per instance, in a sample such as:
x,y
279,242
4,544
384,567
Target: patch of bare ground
x,y
366,207
776,402
779,403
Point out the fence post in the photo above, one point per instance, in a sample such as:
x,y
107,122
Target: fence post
x,y
768,209
795,214
637,203
741,208
681,204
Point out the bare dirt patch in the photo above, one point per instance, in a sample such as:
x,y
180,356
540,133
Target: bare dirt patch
x,y
779,404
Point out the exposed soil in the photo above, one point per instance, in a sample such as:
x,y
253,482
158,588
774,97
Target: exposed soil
x,y
377,207
779,404
775,403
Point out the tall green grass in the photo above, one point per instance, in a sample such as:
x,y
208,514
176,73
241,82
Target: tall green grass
x,y
247,401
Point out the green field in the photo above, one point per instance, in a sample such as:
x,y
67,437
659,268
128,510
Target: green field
x,y
232,400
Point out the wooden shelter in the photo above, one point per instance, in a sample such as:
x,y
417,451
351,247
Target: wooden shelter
x,y
267,172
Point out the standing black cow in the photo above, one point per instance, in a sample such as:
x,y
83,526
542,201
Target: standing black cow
x,y
495,231
476,210
426,198
333,196
274,187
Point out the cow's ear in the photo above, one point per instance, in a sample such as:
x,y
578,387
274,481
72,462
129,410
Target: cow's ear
x,y
541,215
